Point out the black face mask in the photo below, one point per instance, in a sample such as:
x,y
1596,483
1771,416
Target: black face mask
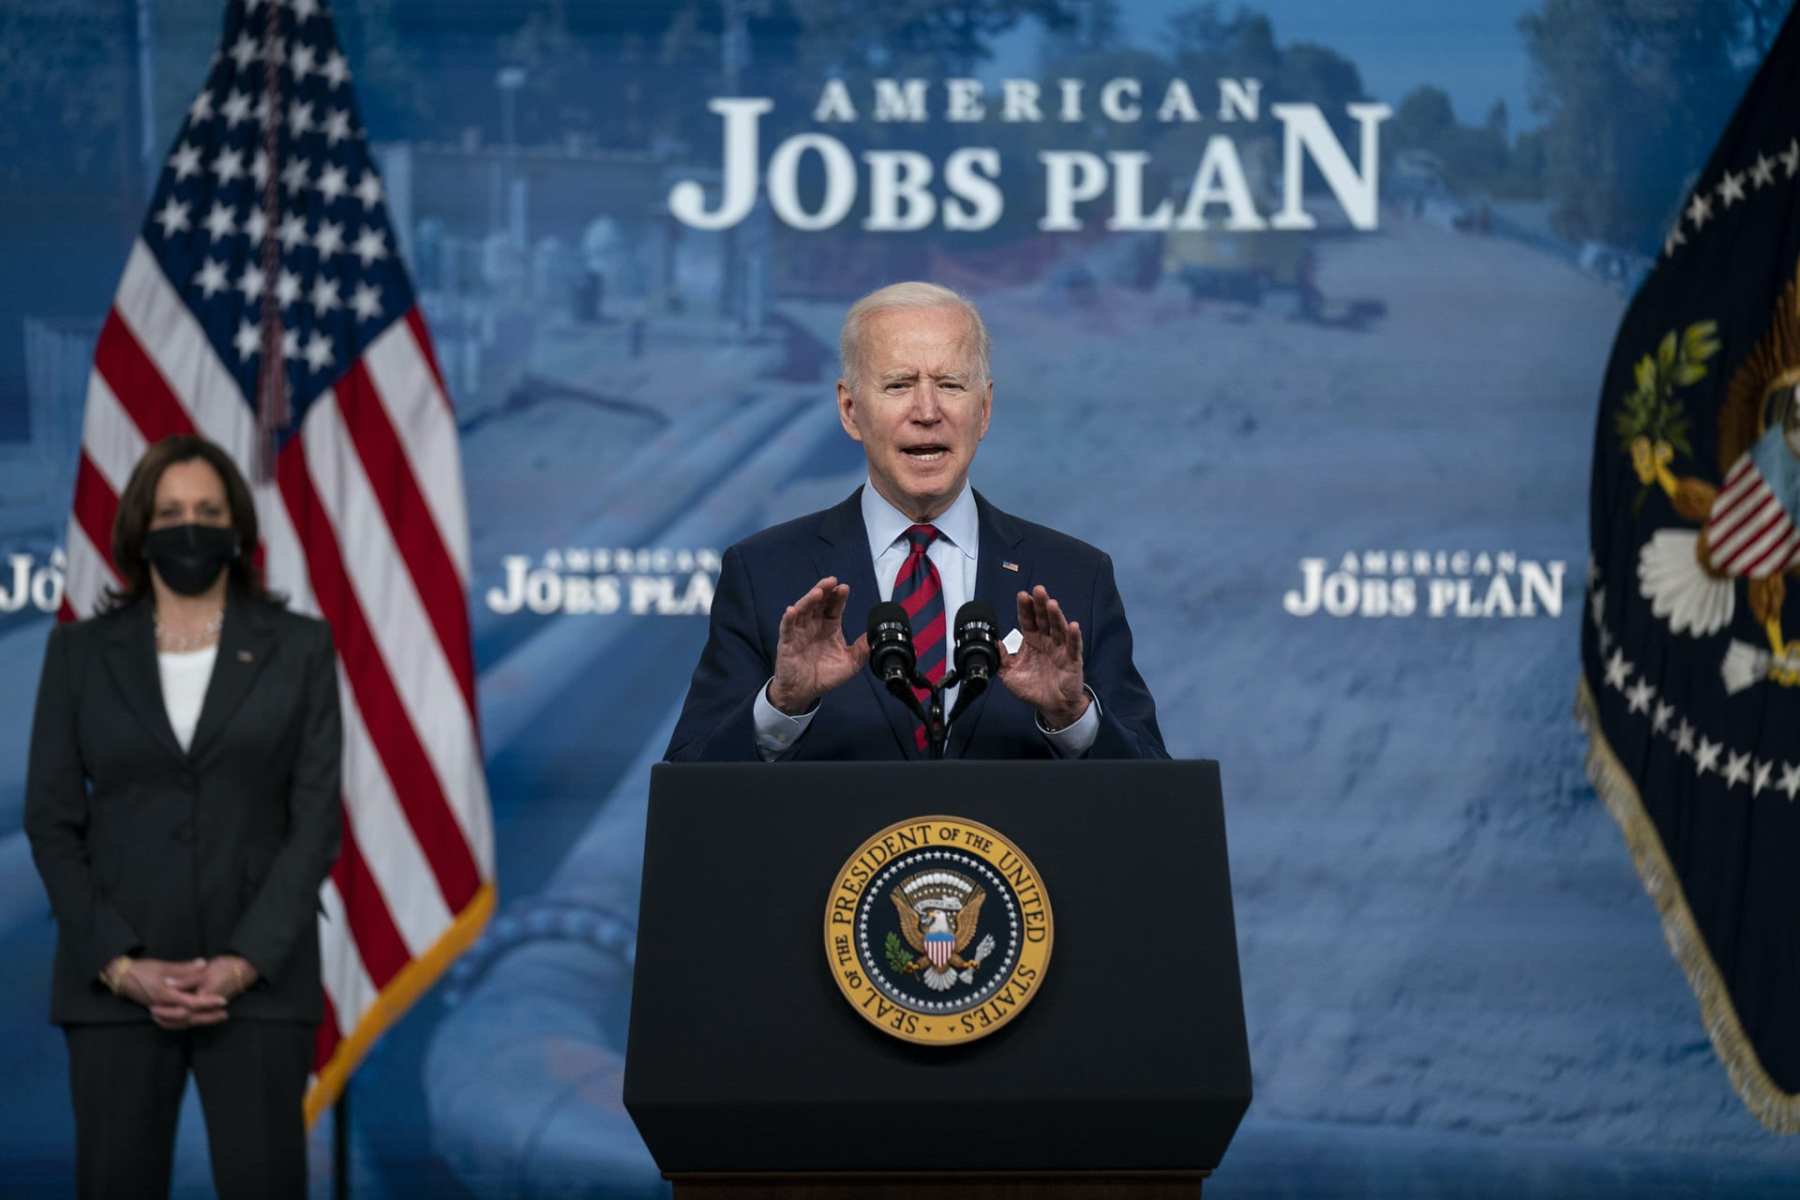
x,y
190,557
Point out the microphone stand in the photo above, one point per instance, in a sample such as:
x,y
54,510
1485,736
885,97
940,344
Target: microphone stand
x,y
931,713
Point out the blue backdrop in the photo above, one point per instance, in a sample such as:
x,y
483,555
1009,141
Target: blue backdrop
x,y
1299,310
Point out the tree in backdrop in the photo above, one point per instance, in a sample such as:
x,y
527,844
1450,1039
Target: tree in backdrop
x,y
932,40
1633,94
610,75
633,76
1206,43
395,97
1094,25
1475,160
930,37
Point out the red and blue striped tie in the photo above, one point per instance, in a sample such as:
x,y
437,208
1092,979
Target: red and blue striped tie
x,y
920,592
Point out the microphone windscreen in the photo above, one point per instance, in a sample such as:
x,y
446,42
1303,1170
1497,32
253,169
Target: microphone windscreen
x,y
888,619
976,611
890,641
976,630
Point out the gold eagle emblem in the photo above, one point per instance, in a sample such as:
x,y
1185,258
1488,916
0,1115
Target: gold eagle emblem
x,y
1749,521
939,912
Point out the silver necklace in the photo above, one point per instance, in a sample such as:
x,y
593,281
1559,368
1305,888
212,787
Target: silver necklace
x,y
178,642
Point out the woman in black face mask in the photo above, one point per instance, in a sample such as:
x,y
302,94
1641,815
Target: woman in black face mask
x,y
182,806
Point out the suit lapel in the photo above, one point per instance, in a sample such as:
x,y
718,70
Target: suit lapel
x,y
844,552
245,647
1002,543
131,660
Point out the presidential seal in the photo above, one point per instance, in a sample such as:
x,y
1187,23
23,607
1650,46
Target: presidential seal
x,y
938,930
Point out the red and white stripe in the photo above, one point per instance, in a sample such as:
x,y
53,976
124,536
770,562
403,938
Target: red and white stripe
x,y
1748,532
365,525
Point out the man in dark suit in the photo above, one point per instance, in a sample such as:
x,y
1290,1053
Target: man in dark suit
x,y
777,679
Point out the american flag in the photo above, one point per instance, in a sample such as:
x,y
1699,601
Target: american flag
x,y
268,230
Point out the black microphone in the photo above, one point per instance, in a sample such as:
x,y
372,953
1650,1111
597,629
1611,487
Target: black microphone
x,y
891,654
977,654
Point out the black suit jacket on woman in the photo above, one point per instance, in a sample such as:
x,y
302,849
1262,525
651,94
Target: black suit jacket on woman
x,y
146,849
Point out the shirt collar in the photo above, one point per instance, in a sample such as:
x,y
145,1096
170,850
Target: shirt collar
x,y
959,524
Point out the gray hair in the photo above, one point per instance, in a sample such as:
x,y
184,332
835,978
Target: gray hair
x,y
909,295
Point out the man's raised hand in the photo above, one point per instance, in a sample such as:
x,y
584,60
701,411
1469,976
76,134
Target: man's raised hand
x,y
1046,673
812,657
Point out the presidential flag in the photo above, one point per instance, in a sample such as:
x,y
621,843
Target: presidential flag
x,y
1690,685
264,305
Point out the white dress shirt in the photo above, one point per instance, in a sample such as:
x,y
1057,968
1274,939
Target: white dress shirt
x,y
954,554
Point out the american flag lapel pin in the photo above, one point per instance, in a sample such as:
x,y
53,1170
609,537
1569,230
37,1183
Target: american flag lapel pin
x,y
245,656
1009,566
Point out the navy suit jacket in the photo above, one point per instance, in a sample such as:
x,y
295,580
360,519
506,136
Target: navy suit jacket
x,y
761,576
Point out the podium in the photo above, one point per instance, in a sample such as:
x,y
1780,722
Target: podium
x,y
750,1074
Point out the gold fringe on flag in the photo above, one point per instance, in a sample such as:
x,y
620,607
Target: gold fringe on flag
x,y
1779,1111
401,993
